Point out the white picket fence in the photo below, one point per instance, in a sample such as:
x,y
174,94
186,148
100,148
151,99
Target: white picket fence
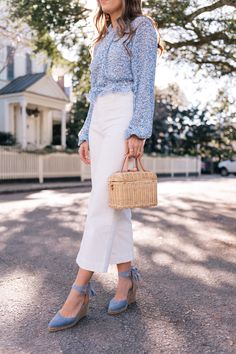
x,y
24,165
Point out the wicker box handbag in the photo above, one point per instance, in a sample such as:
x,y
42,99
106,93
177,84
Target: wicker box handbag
x,y
132,188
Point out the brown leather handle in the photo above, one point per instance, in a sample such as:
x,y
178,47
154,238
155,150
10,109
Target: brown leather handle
x,y
125,164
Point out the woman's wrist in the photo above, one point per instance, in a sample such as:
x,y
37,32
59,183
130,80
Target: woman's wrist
x,y
136,136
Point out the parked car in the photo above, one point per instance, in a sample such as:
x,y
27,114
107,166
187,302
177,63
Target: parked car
x,y
228,166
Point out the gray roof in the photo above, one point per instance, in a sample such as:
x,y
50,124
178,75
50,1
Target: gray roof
x,y
21,83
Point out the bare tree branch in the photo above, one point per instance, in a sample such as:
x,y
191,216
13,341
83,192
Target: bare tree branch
x,y
203,40
226,67
211,7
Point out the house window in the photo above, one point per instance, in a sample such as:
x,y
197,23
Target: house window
x,y
28,64
10,62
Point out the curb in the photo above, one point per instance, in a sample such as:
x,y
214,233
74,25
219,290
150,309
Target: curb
x,y
10,189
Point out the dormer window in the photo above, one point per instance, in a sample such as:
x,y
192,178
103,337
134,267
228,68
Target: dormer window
x,y
28,64
10,63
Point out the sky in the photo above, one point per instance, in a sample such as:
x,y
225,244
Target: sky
x,y
196,89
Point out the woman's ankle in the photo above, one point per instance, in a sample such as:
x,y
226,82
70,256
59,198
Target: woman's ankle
x,y
83,277
124,267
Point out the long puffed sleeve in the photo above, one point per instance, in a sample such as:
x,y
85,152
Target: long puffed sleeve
x,y
143,64
83,133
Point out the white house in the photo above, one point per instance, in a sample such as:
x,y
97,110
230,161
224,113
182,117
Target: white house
x,y
32,103
28,107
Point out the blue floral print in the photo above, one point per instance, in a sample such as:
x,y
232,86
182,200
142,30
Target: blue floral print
x,y
113,70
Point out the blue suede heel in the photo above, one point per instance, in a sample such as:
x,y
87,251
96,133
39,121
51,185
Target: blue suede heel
x,y
117,306
59,322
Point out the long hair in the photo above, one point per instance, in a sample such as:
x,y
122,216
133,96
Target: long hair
x,y
130,10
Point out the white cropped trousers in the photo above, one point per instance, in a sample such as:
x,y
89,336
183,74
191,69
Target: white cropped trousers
x,y
108,234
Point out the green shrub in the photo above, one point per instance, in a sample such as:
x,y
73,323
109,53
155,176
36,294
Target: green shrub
x,y
7,139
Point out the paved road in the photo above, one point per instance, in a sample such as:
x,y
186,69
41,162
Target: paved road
x,y
185,249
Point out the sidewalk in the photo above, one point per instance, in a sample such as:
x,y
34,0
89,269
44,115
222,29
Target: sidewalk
x,y
7,188
27,187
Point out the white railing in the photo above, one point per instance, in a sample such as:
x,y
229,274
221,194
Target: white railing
x,y
23,165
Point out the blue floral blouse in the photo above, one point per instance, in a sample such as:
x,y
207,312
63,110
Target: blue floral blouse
x,y
112,70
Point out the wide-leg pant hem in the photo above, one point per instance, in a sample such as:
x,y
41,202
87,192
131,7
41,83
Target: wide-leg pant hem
x,y
102,268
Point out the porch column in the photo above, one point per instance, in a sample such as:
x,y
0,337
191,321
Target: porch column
x,y
23,126
49,125
6,117
38,130
11,124
63,129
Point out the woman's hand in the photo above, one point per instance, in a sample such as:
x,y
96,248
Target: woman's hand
x,y
134,146
84,152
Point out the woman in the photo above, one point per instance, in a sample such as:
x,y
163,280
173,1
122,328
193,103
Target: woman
x,y
119,120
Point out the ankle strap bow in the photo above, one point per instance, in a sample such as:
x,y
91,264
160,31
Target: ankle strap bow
x,y
85,289
133,273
